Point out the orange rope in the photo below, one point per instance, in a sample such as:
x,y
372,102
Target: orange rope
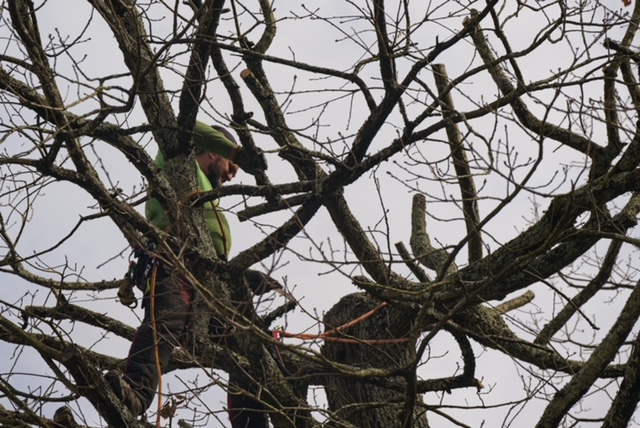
x,y
328,335
358,320
190,195
156,342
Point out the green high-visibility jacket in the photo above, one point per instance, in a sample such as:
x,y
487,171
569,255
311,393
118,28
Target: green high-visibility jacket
x,y
209,140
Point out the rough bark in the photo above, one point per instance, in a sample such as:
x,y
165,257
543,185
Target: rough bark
x,y
361,402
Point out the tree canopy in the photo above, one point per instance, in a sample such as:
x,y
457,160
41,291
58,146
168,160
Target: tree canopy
x,y
451,201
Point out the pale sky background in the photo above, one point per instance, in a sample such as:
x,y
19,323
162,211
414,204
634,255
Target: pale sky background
x,y
317,286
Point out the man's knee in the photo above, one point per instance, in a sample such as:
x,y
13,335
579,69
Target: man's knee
x,y
246,412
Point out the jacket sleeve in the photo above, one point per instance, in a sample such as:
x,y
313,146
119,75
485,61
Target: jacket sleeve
x,y
211,140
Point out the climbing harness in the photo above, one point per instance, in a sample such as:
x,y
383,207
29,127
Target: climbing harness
x,y
143,272
125,293
138,274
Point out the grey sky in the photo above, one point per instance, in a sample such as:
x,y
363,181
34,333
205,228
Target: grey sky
x,y
95,250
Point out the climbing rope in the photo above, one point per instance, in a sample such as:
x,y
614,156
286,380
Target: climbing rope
x,y
154,327
328,336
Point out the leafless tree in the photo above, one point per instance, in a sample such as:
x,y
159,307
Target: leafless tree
x,y
513,127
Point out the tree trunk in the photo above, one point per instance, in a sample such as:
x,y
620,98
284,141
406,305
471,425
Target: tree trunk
x,y
368,402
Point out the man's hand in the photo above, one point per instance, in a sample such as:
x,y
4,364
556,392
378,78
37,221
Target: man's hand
x,y
251,164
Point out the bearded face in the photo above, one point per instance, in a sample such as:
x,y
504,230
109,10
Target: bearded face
x,y
217,169
214,176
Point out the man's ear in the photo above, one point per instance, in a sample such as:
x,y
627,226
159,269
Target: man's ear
x,y
203,160
206,158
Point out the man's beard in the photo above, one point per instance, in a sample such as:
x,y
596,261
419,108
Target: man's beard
x,y
214,178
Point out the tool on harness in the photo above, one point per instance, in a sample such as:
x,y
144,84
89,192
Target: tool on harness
x,y
138,274
125,293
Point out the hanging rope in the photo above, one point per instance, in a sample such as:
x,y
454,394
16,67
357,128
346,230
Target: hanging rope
x,y
152,298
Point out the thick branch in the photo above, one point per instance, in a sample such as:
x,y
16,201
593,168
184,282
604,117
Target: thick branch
x,y
77,313
582,297
387,67
461,165
409,261
420,242
191,94
515,303
487,327
124,20
95,388
606,351
626,400
46,345
532,255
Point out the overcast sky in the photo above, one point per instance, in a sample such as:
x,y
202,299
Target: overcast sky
x,y
317,286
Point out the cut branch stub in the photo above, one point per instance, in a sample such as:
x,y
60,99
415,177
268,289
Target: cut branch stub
x,y
420,242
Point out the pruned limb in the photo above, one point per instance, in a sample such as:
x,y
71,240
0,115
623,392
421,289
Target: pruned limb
x,y
461,165
515,303
409,261
420,242
354,400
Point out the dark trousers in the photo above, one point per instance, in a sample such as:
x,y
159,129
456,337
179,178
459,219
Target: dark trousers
x,y
172,305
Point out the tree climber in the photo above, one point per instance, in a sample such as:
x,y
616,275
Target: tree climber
x,y
217,160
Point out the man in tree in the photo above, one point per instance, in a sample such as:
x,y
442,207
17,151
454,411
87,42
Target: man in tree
x,y
169,295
